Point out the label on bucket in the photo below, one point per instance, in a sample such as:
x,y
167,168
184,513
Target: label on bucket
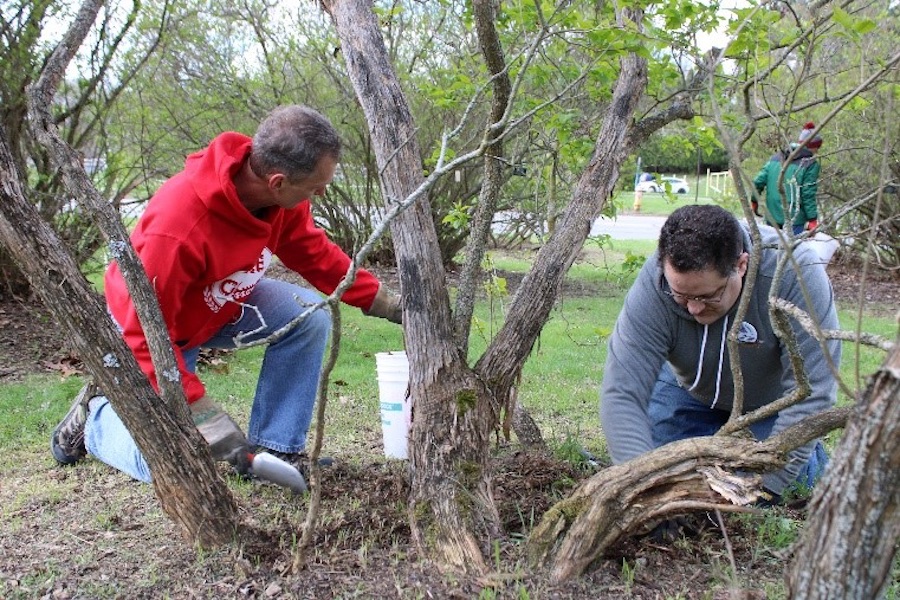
x,y
392,406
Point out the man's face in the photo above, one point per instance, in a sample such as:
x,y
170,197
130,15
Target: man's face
x,y
705,294
289,195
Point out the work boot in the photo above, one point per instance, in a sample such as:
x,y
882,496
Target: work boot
x,y
67,441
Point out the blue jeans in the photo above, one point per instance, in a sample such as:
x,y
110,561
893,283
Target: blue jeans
x,y
797,228
285,391
675,415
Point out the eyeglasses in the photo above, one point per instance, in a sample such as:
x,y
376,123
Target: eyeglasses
x,y
713,298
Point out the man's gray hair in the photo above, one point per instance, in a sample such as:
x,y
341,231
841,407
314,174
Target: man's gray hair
x,y
291,140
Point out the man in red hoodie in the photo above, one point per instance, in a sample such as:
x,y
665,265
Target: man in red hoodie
x,y
206,240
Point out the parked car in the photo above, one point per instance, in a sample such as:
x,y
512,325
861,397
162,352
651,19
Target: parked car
x,y
676,184
648,186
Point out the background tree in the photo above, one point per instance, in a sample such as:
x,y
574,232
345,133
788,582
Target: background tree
x,y
82,111
800,68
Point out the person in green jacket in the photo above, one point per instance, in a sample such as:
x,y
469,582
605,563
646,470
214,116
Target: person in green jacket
x,y
801,181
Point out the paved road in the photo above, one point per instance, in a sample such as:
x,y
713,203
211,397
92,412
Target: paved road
x,y
629,227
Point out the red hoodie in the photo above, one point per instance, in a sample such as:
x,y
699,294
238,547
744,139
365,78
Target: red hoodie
x,y
204,253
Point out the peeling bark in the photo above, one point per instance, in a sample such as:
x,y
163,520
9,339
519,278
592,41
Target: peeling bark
x,y
189,488
451,504
669,480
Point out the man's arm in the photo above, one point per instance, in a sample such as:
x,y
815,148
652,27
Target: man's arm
x,y
759,182
636,352
809,188
305,248
816,360
761,178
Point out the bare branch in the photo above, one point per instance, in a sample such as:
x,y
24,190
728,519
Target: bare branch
x,y
676,478
803,318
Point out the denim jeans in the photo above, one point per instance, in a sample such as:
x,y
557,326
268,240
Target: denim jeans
x,y
285,391
797,228
675,415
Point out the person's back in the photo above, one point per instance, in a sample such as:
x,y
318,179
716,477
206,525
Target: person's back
x,y
800,182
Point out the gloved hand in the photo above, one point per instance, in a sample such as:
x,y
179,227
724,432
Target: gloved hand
x,y
671,530
755,205
226,440
812,224
386,306
675,528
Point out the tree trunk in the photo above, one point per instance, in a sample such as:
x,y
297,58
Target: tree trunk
x,y
494,163
530,307
185,479
453,417
848,546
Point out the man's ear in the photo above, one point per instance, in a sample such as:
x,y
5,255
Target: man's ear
x,y
276,181
743,262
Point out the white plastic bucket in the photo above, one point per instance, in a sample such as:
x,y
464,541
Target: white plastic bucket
x,y
396,405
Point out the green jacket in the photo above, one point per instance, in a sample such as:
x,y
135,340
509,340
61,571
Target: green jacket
x,y
801,181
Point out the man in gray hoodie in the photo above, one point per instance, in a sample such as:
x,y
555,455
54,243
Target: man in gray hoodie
x,y
668,373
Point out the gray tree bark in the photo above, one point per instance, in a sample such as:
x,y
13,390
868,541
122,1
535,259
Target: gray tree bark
x,y
848,546
189,489
450,488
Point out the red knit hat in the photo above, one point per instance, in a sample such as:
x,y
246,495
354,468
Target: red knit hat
x,y
807,130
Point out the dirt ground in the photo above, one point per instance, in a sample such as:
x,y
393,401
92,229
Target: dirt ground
x,y
90,532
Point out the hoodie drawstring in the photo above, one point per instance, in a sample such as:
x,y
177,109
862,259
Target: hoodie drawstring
x,y
700,360
721,357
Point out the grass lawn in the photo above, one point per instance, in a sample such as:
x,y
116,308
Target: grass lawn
x,y
701,191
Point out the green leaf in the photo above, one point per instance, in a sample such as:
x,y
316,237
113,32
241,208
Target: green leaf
x,y
843,18
864,26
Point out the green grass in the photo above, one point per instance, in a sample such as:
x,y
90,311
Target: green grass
x,y
858,360
32,408
658,204
559,381
662,204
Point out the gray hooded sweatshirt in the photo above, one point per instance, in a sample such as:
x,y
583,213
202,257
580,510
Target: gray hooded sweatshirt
x,y
652,329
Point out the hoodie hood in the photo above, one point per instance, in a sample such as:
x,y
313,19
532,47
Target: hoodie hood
x,y
211,173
